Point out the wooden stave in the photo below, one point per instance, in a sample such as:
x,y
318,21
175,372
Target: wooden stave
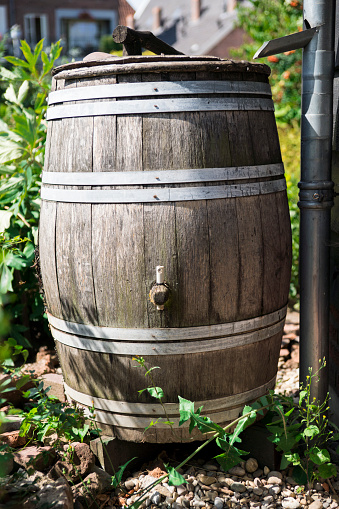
x,y
279,213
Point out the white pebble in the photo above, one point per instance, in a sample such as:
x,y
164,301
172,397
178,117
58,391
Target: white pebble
x,y
290,503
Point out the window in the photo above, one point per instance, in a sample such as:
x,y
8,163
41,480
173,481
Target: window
x,y
35,28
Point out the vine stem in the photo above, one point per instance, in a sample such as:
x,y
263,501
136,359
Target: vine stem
x,y
186,460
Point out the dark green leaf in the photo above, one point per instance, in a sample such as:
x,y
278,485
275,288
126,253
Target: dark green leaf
x,y
116,479
327,470
206,425
299,475
23,380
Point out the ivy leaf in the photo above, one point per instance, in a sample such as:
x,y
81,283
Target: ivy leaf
x,y
174,478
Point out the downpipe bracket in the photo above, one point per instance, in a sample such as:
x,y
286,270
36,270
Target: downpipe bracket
x,y
316,195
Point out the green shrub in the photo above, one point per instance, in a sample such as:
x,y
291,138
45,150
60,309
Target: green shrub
x,y
22,149
268,20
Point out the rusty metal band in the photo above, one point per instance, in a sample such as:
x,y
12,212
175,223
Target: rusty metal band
x,y
158,195
138,415
156,88
169,105
154,177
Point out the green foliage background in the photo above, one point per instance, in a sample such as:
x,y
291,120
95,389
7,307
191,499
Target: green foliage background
x,y
263,21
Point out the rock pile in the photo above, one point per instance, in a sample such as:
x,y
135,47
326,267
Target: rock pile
x,y
240,488
288,365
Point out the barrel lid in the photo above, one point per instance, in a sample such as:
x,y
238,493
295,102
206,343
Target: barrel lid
x,y
152,63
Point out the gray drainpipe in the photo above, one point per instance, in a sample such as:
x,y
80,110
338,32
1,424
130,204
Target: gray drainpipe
x,y
316,191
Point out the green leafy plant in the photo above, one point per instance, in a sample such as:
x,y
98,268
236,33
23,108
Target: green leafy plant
x,y
301,433
48,415
22,146
154,391
298,432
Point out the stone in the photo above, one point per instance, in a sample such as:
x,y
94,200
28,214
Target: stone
x,y
212,495
56,384
318,486
238,487
274,473
40,458
274,480
290,503
210,466
93,484
291,481
266,470
206,479
238,471
129,484
76,464
258,491
287,493
198,503
57,495
284,352
182,490
251,465
274,490
13,439
316,505
11,423
175,505
155,498
218,503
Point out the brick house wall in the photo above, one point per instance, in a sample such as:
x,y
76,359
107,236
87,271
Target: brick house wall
x,y
235,39
55,19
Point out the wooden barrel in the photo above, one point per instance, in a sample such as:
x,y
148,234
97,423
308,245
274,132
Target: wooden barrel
x,y
171,161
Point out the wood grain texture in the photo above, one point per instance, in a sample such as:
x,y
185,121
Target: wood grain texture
x,y
225,260
104,215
